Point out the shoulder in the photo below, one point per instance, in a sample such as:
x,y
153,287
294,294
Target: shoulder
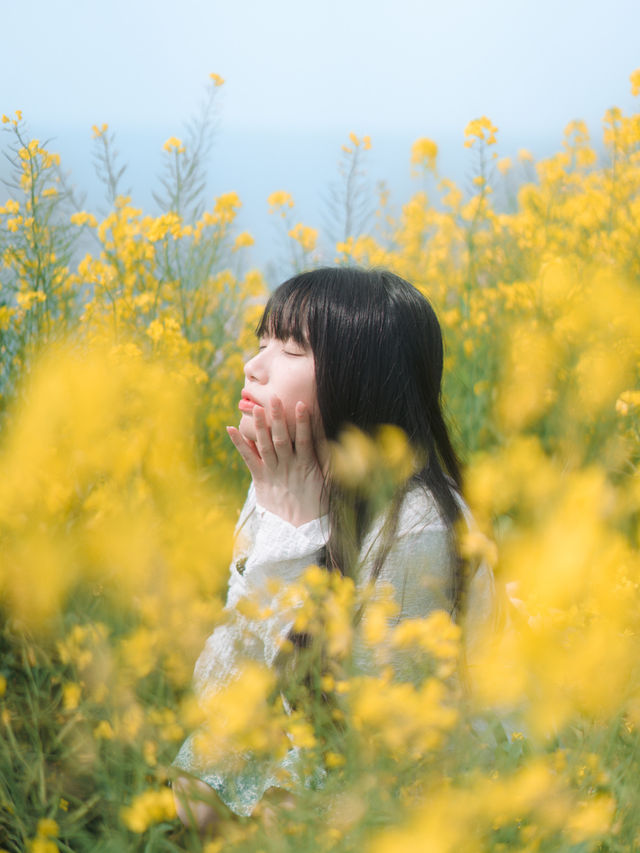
x,y
417,559
419,511
418,515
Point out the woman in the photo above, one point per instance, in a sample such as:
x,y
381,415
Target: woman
x,y
338,347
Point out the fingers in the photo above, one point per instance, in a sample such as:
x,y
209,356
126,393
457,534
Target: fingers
x,y
273,441
304,435
279,430
264,442
246,449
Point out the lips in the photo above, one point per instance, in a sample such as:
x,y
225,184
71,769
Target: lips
x,y
247,402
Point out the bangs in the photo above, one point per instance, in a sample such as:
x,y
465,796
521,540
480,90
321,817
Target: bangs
x,y
286,315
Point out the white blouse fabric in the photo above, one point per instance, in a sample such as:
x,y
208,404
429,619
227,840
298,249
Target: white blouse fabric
x,y
418,567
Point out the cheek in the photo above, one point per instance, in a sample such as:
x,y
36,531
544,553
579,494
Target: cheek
x,y
306,394
298,386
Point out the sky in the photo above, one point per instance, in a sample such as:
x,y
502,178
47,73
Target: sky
x,y
300,76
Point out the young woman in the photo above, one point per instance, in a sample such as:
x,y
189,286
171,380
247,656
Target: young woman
x,y
337,347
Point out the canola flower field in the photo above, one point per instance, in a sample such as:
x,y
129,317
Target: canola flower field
x,y
123,339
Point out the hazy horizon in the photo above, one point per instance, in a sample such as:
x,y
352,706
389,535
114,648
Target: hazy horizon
x,y
299,78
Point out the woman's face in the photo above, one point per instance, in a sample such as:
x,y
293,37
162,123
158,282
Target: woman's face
x,y
284,369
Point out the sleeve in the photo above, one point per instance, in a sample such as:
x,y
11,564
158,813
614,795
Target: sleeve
x,y
267,549
272,550
418,566
419,571
276,553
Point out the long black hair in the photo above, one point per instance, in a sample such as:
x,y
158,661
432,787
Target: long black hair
x,y
378,353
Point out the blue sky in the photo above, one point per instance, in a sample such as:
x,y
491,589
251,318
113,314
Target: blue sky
x,y
300,76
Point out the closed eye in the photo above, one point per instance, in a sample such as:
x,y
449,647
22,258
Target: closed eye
x,y
292,347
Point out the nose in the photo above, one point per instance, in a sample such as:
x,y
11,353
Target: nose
x,y
255,369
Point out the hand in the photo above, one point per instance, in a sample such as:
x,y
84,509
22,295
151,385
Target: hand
x,y
286,470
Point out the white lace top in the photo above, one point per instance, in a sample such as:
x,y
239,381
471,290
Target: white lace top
x,y
418,567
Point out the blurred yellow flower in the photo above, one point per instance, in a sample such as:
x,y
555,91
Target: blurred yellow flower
x,y
243,240
148,808
279,199
304,235
225,208
424,153
103,731
217,79
83,218
334,759
27,299
71,696
174,144
480,130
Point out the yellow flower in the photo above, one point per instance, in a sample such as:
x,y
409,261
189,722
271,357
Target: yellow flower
x,y
480,130
628,401
71,694
103,731
83,218
243,240
634,78
43,845
281,199
99,131
504,165
591,818
476,544
225,208
424,153
29,297
217,79
150,752
148,808
334,759
47,828
301,734
174,144
306,236
11,206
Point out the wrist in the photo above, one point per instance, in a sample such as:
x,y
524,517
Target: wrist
x,y
286,507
